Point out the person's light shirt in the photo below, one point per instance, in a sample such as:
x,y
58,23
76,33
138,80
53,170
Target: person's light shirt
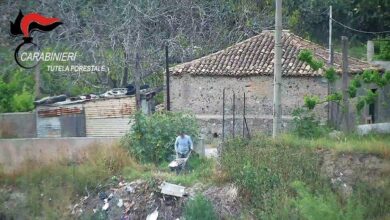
x,y
183,144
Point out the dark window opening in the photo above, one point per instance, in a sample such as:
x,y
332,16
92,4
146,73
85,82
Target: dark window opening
x,y
372,109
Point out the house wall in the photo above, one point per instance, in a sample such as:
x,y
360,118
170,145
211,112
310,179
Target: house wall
x,y
203,96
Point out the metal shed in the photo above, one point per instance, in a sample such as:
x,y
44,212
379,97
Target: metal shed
x,y
61,121
109,117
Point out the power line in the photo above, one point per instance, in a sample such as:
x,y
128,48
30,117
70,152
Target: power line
x,y
353,29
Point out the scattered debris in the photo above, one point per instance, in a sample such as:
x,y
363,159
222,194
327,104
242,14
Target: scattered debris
x,y
129,189
102,195
116,92
50,100
172,189
132,200
120,203
106,205
153,215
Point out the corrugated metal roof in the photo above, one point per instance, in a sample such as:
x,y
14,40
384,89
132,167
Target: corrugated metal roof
x,y
107,127
110,108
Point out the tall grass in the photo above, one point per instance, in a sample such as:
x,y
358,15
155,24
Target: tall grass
x,y
51,189
199,208
374,143
265,171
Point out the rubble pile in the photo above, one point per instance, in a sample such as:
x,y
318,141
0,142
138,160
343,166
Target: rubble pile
x,y
131,200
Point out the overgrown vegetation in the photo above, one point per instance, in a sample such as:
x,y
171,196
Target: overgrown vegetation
x,y
305,124
199,208
264,169
367,77
47,190
266,172
152,137
16,92
374,143
325,207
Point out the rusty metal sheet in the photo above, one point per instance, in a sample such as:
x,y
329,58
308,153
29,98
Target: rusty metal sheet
x,y
58,111
110,108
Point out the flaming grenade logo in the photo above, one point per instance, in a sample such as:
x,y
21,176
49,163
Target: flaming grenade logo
x,y
25,25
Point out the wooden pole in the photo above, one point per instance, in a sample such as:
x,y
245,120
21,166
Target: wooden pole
x,y
331,105
345,81
234,114
277,70
137,80
330,35
243,119
168,101
223,115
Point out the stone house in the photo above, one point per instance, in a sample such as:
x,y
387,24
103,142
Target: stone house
x,y
247,67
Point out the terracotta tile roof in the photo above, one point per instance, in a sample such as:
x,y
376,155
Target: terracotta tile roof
x,y
255,55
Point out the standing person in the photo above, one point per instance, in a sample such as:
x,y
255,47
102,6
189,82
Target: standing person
x,y
183,145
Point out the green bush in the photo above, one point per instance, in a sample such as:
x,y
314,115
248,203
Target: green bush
x,y
384,49
23,102
325,207
152,138
305,124
199,208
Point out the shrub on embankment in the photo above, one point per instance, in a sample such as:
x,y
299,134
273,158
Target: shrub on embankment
x,y
281,179
152,138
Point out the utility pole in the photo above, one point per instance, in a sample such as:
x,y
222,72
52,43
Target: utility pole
x,y
330,36
168,96
331,105
345,79
277,117
137,77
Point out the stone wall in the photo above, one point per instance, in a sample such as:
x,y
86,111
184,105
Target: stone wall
x,y
203,95
15,153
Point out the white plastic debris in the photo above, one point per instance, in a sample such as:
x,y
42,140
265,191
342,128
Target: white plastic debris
x,y
110,196
106,206
129,189
153,215
172,189
120,203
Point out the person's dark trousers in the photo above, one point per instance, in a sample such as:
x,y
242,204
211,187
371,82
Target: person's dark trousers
x,y
182,155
